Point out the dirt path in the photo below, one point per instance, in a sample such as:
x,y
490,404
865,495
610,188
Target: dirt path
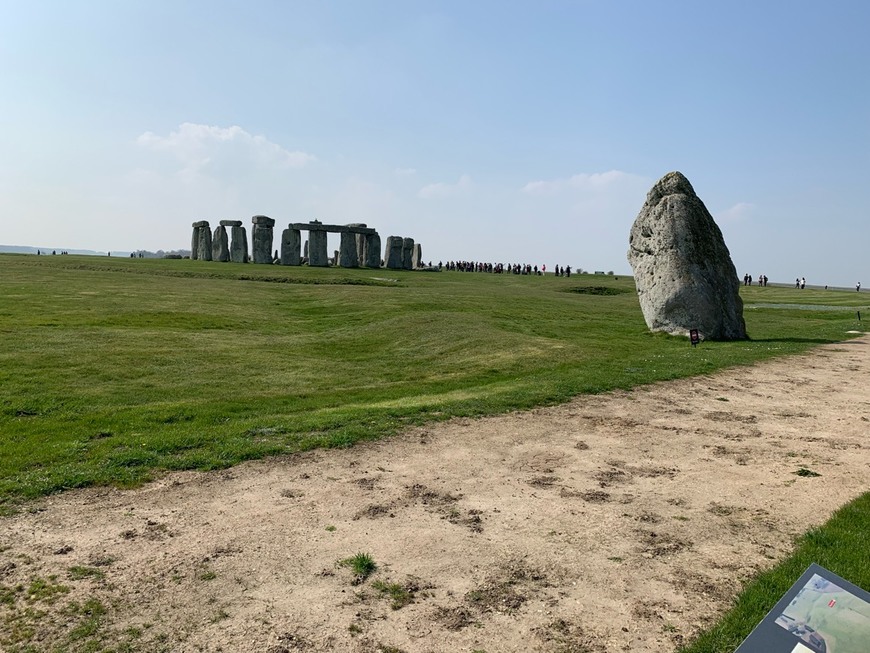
x,y
624,521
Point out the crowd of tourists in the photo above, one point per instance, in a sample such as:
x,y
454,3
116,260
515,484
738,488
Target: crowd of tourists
x,y
501,268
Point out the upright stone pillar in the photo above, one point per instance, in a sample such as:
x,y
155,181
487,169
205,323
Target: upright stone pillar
x,y
408,253
220,245
305,251
417,256
372,251
317,254
348,255
238,242
261,238
197,240
291,240
360,242
393,253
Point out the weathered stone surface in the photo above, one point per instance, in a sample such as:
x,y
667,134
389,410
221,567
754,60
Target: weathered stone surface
x,y
331,228
408,253
239,245
372,252
393,253
417,256
203,243
317,255
196,240
231,223
348,257
682,269
220,245
360,240
291,243
261,239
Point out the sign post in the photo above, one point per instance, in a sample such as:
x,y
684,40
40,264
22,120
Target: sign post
x,y
821,613
695,337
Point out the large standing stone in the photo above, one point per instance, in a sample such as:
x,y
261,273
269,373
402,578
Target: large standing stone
x,y
239,243
261,238
408,253
348,256
196,239
360,241
291,242
393,253
317,255
220,245
682,269
417,256
372,251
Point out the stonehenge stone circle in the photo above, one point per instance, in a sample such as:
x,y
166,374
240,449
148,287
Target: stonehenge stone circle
x,y
261,238
360,245
682,269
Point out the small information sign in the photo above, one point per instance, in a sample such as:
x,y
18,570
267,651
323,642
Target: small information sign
x,y
821,613
694,336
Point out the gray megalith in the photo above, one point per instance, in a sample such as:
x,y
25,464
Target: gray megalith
x,y
417,256
291,241
317,256
408,253
196,239
261,238
393,253
348,255
220,245
238,243
372,252
682,269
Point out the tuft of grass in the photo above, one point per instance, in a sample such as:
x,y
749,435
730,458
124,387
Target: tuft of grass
x,y
399,595
41,589
362,565
79,572
803,471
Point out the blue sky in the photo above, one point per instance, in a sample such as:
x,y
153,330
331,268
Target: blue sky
x,y
498,131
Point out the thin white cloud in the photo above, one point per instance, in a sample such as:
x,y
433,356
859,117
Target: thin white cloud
x,y
737,213
442,190
201,148
581,181
405,172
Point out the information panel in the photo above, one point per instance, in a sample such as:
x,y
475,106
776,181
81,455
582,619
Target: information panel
x,y
821,613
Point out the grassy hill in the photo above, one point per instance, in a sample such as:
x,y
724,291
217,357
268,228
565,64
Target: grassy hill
x,y
114,368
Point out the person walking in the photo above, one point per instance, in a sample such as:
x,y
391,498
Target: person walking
x,y
858,287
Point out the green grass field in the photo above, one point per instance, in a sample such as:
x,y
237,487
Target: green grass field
x,y
112,370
